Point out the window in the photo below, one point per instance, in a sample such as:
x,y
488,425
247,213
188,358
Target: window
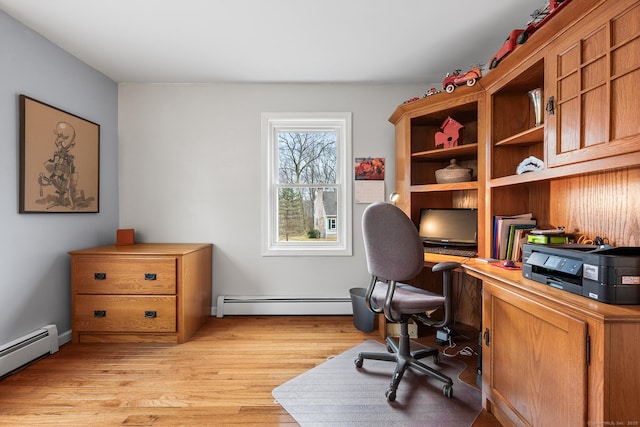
x,y
307,198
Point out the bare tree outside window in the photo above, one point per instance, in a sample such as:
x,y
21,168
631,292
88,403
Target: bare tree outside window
x,y
307,185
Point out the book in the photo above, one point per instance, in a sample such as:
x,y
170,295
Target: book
x,y
501,231
512,232
519,239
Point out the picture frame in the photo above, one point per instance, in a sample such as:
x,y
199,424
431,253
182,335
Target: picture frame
x,y
59,160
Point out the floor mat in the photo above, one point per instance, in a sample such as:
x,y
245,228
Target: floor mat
x,y
336,393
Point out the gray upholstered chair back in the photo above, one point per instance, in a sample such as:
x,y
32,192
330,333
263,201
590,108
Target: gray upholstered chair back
x,y
391,242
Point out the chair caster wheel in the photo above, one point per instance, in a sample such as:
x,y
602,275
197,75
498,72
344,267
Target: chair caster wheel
x,y
447,390
358,362
436,358
391,395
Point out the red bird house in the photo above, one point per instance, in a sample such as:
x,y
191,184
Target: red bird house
x,y
450,134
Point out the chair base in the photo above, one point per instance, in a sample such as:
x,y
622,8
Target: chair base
x,y
404,358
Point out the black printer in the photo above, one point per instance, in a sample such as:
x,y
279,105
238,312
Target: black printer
x,y
606,274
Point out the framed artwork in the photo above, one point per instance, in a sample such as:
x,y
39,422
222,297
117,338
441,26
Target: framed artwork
x,y
59,160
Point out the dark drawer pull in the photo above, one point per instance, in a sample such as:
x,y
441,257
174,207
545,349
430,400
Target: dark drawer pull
x,y
149,276
150,314
99,276
99,313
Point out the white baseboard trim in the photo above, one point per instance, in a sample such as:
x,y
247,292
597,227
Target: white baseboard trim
x,y
270,305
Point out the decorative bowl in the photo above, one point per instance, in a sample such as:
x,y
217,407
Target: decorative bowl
x,y
453,173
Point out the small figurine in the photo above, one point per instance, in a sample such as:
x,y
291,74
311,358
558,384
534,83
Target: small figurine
x,y
430,92
452,80
450,134
415,98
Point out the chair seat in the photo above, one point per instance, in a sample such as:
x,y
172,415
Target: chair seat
x,y
407,299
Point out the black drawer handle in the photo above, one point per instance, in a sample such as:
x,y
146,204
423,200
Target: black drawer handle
x,y
550,108
100,313
149,276
99,276
151,314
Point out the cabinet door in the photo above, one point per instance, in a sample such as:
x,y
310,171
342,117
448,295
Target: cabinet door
x,y
593,73
535,361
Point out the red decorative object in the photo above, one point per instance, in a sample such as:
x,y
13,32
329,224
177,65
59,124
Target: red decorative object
x,y
450,134
125,236
508,46
455,79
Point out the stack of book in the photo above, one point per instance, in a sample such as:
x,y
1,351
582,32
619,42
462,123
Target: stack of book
x,y
509,234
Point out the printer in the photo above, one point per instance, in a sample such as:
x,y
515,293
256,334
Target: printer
x,y
606,274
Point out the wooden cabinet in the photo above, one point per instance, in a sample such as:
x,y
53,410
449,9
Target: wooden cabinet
x,y
418,158
554,358
592,75
587,62
536,360
549,357
140,293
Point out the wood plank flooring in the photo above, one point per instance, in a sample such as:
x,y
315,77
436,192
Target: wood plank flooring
x,y
222,377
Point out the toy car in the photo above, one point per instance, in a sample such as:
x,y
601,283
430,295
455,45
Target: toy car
x,y
508,46
455,79
430,92
540,16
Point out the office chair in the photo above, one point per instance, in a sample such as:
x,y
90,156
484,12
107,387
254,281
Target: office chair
x,y
394,253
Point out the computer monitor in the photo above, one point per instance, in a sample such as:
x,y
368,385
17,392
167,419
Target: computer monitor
x,y
449,227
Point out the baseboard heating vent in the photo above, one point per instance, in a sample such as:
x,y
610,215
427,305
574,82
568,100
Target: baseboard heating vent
x,y
21,352
269,305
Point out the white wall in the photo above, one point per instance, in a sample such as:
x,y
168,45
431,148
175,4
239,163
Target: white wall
x,y
35,285
190,171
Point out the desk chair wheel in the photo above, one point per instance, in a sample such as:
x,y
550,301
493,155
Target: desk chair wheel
x,y
358,362
391,395
447,390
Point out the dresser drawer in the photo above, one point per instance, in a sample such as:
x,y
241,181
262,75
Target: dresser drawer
x,y
124,275
111,313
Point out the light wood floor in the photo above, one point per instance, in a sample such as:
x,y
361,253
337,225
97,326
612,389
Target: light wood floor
x,y
223,376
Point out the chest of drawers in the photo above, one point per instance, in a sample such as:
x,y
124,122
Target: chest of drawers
x,y
148,292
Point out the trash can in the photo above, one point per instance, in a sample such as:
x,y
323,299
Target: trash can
x,y
363,318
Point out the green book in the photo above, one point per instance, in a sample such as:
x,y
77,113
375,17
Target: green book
x,y
512,232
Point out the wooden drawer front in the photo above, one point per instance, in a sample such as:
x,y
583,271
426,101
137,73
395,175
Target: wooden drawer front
x,y
111,313
119,275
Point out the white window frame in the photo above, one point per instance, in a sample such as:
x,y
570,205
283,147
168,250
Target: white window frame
x,y
272,123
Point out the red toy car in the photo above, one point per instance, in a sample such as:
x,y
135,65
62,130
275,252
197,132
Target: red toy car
x,y
508,46
455,79
540,16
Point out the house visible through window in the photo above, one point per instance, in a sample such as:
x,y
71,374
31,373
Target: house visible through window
x,y
307,201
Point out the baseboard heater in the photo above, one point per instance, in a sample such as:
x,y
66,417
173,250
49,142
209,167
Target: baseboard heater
x,y
21,352
270,305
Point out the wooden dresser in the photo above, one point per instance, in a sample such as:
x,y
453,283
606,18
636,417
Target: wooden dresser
x,y
149,292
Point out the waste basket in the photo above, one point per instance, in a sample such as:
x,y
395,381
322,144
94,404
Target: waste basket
x,y
363,318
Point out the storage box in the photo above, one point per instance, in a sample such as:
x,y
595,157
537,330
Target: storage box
x,y
393,329
125,236
545,239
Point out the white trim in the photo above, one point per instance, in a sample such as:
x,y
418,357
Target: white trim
x,y
284,305
271,123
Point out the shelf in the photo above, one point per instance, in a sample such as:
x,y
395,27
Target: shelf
x,y
454,186
461,151
622,161
530,136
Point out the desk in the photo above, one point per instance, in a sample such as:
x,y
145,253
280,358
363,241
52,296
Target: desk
x,y
551,357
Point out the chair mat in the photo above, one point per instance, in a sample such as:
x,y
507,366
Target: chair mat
x,y
336,393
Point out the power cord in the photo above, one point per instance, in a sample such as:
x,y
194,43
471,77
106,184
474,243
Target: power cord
x,y
466,351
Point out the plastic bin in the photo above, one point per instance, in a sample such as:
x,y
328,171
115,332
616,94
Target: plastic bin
x,y
363,318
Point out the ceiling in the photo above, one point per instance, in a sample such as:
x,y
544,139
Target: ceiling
x,y
275,41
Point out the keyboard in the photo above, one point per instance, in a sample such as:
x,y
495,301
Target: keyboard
x,y
463,252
